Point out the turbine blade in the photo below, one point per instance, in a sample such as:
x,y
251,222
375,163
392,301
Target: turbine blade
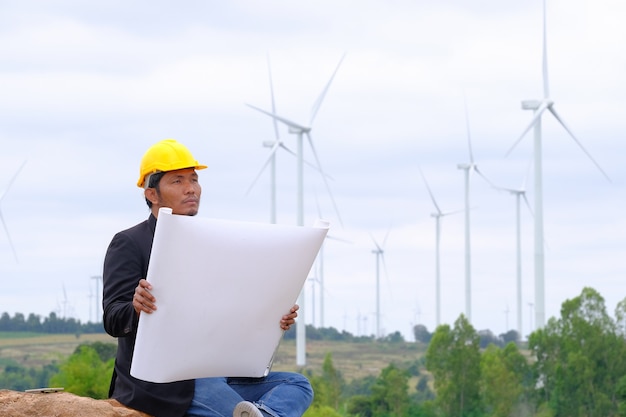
x,y
546,89
267,161
281,119
446,213
386,236
470,170
483,176
467,127
274,121
12,180
378,248
432,197
6,230
558,118
536,117
528,204
318,102
4,193
282,145
530,163
382,258
319,166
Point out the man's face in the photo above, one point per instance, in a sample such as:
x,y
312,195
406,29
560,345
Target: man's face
x,y
178,190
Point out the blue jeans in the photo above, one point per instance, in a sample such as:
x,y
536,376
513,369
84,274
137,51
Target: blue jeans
x,y
280,394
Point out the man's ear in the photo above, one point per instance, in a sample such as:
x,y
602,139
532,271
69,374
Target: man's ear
x,y
151,195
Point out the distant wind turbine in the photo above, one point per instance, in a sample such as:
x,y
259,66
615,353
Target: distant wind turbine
x,y
519,193
468,168
380,258
4,193
64,302
320,263
437,216
98,279
274,146
300,131
539,107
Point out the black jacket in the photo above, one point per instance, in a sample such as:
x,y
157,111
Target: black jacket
x,y
125,263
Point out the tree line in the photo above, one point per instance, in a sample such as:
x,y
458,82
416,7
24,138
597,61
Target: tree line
x,y
51,324
54,324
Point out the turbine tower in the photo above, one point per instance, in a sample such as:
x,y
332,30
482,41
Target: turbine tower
x,y
468,168
98,279
320,263
2,195
539,107
300,131
437,216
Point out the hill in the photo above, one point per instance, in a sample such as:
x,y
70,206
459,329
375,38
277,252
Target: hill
x,y
352,359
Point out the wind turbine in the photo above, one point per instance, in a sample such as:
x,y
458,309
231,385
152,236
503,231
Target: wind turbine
x,y
437,215
379,252
4,193
468,168
97,278
300,131
519,193
320,263
539,107
274,146
64,302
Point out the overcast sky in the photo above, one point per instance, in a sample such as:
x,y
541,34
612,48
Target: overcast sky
x,y
87,87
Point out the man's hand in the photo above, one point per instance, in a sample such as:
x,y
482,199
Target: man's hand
x,y
143,300
290,318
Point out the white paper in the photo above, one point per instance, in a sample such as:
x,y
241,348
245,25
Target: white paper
x,y
221,288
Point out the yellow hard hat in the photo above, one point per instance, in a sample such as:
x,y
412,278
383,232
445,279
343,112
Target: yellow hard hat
x,y
166,155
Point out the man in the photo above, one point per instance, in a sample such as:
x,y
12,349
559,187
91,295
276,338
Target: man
x,y
169,179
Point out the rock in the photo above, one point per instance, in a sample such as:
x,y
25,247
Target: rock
x,y
60,404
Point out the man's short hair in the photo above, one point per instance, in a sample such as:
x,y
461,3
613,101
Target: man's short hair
x,y
153,181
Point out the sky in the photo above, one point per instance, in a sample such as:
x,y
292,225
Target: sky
x,y
87,87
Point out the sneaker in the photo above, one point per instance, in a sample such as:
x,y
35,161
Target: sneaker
x,y
246,409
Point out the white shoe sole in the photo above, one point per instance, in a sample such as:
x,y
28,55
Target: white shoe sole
x,y
246,409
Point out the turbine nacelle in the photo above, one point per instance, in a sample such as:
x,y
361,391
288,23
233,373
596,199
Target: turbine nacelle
x,y
299,129
535,104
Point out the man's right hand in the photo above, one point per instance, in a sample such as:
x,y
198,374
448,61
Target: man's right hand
x,y
143,300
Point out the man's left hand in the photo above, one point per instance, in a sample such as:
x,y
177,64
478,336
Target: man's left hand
x,y
290,318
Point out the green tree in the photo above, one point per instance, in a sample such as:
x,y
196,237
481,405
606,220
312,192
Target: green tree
x,y
19,378
580,359
360,406
33,323
321,411
105,351
621,397
334,381
501,380
453,358
85,374
421,333
390,393
389,396
328,389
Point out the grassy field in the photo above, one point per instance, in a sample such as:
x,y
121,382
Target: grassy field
x,y
35,349
353,360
